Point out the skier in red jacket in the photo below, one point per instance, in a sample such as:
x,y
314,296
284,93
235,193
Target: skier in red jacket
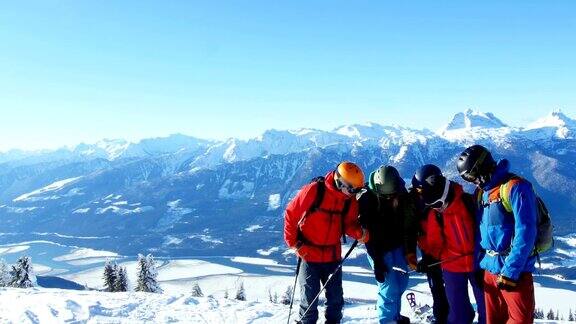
x,y
452,237
314,222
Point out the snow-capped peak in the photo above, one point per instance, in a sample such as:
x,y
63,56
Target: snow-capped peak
x,y
555,119
114,147
556,124
361,131
106,148
473,118
473,126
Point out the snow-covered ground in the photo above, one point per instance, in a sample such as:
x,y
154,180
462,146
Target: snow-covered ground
x,y
55,305
217,277
54,187
42,305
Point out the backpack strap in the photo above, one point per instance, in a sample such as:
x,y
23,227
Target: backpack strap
x,y
504,192
344,213
499,194
320,190
478,198
439,218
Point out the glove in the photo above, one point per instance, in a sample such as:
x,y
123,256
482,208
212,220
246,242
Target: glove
x,y
301,250
379,273
422,266
365,236
412,261
380,276
505,283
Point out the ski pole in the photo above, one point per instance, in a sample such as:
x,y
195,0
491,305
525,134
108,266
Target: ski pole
x,y
431,265
330,278
294,288
450,259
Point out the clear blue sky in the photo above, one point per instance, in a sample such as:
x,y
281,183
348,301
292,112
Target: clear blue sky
x,y
73,71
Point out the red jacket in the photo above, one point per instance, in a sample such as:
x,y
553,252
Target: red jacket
x,y
321,229
448,235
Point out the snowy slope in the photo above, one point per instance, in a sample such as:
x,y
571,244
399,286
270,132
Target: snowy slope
x,y
54,305
40,305
216,277
51,188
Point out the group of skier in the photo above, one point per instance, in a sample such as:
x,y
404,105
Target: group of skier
x,y
482,239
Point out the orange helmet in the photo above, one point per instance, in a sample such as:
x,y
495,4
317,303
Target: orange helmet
x,y
351,174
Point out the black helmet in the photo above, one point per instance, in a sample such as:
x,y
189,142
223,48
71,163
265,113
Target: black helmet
x,y
474,163
386,181
429,182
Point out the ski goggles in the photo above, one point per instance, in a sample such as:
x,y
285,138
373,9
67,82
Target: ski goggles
x,y
472,174
342,185
469,176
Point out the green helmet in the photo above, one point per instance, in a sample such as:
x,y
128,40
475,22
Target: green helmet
x,y
386,181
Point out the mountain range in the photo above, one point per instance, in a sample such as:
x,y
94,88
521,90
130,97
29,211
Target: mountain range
x,y
184,196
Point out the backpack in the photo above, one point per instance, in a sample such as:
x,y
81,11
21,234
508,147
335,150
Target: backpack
x,y
544,228
321,189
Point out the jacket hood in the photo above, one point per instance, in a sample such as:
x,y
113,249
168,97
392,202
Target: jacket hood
x,y
499,175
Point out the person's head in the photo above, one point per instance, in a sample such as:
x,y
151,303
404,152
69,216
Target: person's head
x,y
431,185
386,182
349,178
475,164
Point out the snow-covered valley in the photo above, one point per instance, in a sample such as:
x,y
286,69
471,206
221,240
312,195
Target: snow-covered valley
x,y
218,278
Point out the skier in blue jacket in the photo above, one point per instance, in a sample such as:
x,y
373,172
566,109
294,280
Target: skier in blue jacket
x,y
508,238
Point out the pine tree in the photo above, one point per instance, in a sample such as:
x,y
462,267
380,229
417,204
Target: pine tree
x,y
142,278
226,294
240,292
272,297
4,274
196,291
147,275
550,315
109,275
22,274
557,318
121,282
570,316
287,296
539,313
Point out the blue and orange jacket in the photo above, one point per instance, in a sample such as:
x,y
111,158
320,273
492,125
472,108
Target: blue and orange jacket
x,y
450,235
320,230
511,236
